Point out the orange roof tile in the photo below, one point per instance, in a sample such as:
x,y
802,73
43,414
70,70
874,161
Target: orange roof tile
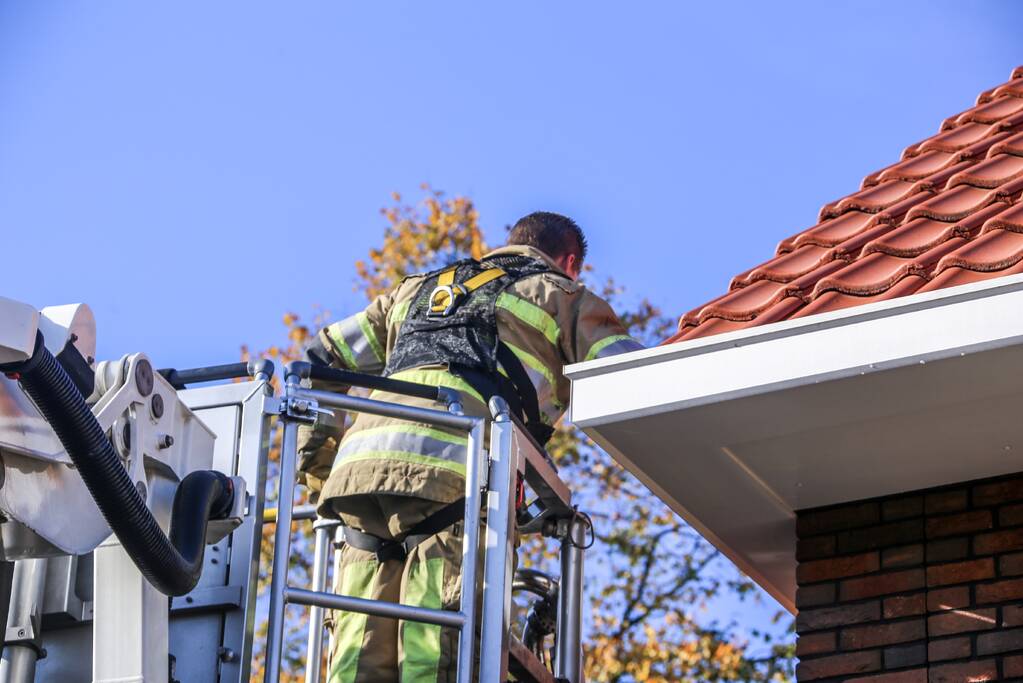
x,y
948,213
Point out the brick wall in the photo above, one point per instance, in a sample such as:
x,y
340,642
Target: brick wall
x,y
925,587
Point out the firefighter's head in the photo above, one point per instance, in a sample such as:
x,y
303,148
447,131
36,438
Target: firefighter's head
x,y
555,235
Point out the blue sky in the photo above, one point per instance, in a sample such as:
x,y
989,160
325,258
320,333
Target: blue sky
x,y
194,170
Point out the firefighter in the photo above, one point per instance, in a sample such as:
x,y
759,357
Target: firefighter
x,y
504,325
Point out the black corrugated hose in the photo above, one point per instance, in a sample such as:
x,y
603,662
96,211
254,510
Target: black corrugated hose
x,y
172,565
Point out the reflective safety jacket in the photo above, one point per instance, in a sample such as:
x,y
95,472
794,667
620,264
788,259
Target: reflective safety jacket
x,y
547,320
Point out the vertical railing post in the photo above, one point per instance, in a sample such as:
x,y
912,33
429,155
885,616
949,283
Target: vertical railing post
x,y
6,586
18,664
569,662
470,552
498,567
282,539
323,530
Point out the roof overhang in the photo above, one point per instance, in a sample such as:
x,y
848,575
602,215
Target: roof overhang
x,y
737,431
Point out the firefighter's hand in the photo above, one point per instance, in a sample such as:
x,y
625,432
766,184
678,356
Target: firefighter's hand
x,y
317,446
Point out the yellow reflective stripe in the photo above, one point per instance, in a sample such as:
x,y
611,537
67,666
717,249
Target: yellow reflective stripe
x,y
483,278
357,581
398,312
531,314
405,456
421,642
418,430
345,351
604,343
447,277
367,331
438,378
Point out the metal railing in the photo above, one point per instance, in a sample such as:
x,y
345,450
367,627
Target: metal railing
x,y
492,478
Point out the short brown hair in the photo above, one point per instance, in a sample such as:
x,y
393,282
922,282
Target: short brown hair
x,y
551,233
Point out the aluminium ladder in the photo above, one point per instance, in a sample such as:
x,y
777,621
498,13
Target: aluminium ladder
x,y
492,478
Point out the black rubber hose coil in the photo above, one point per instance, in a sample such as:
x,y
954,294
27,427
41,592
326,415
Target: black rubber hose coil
x,y
173,565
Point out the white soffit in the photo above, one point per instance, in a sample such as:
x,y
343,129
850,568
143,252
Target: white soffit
x,y
737,431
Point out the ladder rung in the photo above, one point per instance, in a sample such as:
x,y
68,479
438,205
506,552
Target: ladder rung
x,y
298,513
524,665
376,608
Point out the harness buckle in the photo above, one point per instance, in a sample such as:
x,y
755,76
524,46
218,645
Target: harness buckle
x,y
444,299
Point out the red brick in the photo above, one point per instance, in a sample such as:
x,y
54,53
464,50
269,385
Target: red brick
x,y
948,549
881,536
1010,515
815,548
836,519
904,606
1000,591
1012,667
900,508
837,567
946,501
829,617
911,676
815,644
960,572
998,492
998,542
873,635
968,672
948,598
904,556
901,656
838,665
1010,565
960,621
1004,640
948,648
957,525
812,596
881,584
1012,615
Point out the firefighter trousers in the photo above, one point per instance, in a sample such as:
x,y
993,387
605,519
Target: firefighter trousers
x,y
368,649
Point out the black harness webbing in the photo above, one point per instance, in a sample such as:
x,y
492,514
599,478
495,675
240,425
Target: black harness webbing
x,y
517,389
386,549
526,391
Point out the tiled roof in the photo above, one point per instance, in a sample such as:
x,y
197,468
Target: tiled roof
x,y
946,214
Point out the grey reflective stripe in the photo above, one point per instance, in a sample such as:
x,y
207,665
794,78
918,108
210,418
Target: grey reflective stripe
x,y
361,347
403,439
620,346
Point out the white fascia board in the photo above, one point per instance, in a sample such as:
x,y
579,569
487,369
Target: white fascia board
x,y
870,338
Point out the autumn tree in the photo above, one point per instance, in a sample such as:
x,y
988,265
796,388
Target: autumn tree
x,y
648,619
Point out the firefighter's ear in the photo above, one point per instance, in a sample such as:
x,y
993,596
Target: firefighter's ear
x,y
571,264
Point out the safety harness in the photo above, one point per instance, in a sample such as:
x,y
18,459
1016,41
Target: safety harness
x,y
452,321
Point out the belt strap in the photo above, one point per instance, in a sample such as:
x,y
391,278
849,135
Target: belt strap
x,y
392,549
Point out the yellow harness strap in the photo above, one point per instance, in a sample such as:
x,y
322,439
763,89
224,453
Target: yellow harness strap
x,y
483,278
446,278
447,295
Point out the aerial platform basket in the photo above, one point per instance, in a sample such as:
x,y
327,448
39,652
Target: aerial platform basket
x,y
493,473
